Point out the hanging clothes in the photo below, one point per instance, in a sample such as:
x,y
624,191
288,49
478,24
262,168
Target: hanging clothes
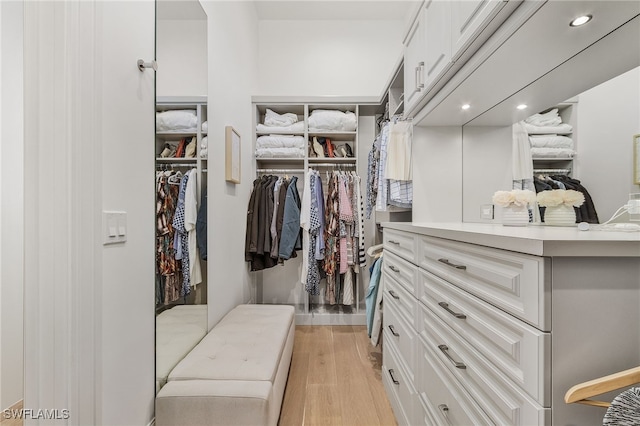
x,y
181,238
190,220
168,268
201,226
291,238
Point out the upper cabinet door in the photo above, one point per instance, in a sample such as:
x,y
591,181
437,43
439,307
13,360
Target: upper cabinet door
x,y
414,60
437,27
468,19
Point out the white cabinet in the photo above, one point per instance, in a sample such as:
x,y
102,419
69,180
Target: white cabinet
x,y
414,60
468,19
437,23
500,335
441,34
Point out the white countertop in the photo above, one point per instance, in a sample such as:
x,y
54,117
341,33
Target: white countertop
x,y
537,240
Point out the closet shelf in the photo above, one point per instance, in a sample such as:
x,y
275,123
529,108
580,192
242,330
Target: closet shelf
x,y
280,133
280,159
334,134
336,160
177,160
553,158
174,135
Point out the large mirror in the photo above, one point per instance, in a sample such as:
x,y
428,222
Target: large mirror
x,y
597,92
181,181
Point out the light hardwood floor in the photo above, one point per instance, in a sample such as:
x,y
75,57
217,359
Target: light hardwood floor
x,y
11,421
335,379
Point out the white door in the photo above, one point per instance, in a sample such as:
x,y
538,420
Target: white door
x,y
437,22
468,18
414,64
89,132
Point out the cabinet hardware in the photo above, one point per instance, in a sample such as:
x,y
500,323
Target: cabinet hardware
x,y
394,269
394,242
445,306
444,410
395,296
393,379
453,265
142,65
445,349
419,82
393,330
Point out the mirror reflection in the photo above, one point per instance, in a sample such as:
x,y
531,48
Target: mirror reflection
x,y
586,141
181,182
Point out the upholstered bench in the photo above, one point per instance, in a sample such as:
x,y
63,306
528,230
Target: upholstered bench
x,y
236,375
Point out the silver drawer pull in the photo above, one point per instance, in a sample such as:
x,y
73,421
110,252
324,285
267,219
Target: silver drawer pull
x,y
453,265
444,410
445,306
394,242
393,379
395,296
393,330
445,349
394,269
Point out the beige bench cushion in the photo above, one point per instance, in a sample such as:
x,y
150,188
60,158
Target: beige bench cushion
x,y
246,344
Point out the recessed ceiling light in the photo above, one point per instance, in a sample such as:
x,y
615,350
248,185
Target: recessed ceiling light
x,y
580,20
465,106
521,106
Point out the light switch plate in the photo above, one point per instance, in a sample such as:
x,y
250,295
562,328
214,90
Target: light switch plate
x,y
114,226
486,211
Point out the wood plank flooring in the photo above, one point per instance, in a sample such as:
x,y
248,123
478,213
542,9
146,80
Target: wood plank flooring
x,y
335,379
11,421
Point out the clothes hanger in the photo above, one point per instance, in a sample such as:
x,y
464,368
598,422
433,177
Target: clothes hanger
x,y
580,392
375,251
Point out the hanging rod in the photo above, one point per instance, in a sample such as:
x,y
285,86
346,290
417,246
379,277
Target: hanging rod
x,y
312,165
279,171
174,165
547,171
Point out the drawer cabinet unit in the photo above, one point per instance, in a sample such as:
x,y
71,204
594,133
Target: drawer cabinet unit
x,y
479,335
512,281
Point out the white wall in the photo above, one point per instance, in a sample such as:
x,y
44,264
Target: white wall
x,y
181,53
317,58
233,55
437,174
11,199
608,117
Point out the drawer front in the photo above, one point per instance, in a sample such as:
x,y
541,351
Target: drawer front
x,y
399,388
519,350
503,401
395,295
401,243
404,272
402,336
512,281
441,398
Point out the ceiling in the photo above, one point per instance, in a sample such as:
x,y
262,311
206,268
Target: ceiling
x,y
313,10
306,10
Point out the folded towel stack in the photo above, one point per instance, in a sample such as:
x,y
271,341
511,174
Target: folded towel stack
x,y
547,135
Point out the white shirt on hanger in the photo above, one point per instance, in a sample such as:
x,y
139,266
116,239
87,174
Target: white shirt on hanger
x,y
190,219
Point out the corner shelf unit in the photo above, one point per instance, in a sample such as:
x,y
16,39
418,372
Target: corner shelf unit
x,y
199,104
548,165
281,284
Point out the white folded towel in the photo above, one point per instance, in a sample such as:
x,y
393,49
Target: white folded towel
x,y
560,129
274,119
294,128
550,118
550,141
552,152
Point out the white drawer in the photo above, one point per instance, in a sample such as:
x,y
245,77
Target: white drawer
x,y
401,243
512,281
404,272
440,396
399,388
503,401
395,295
402,336
519,350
